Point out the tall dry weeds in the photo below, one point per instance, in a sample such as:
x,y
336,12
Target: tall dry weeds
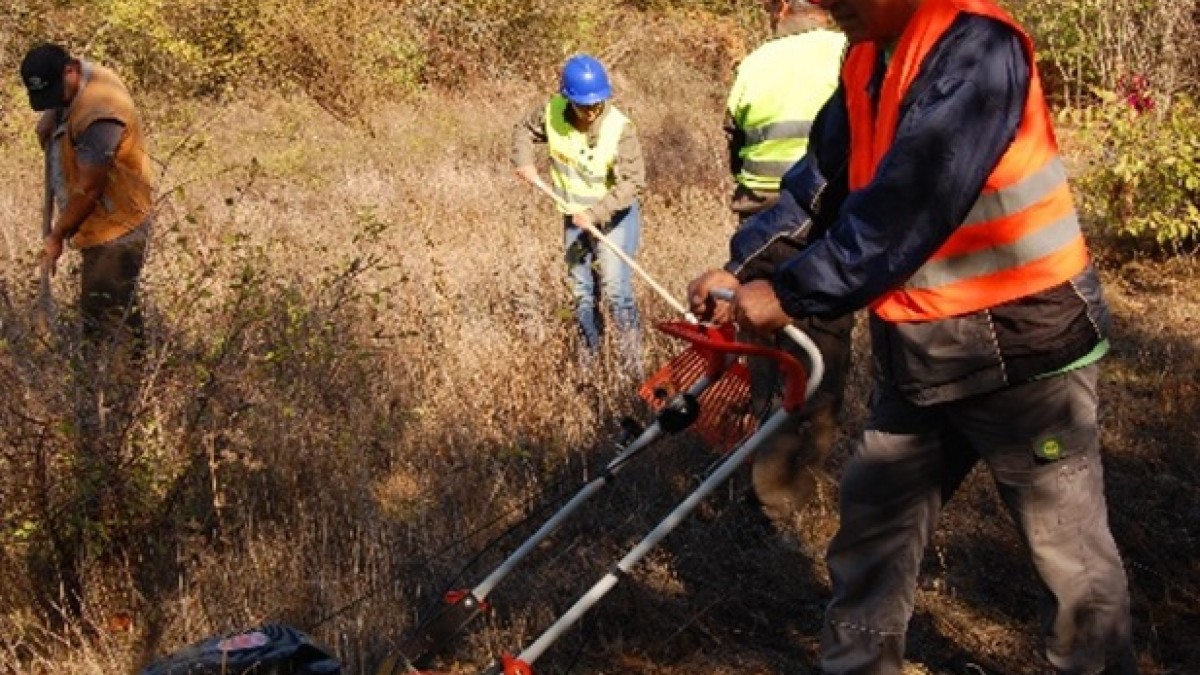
x,y
362,355
362,370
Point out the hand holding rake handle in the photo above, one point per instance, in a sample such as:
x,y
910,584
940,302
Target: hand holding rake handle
x,y
595,232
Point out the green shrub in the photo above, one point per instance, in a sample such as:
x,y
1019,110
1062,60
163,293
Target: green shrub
x,y
344,54
183,47
1143,182
340,53
1085,45
488,39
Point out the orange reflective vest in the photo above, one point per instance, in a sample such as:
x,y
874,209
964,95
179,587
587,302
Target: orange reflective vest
x,y
1021,236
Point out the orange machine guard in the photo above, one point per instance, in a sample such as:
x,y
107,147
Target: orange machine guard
x,y
717,342
515,666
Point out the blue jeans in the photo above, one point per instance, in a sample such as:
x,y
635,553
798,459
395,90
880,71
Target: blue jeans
x,y
616,280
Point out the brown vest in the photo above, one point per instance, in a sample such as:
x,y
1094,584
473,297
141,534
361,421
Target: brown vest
x,y
127,198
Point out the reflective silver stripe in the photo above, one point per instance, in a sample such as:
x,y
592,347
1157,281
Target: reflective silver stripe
x,y
1019,196
573,173
576,200
764,167
778,131
938,273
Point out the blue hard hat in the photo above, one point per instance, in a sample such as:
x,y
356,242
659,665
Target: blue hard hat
x,y
584,81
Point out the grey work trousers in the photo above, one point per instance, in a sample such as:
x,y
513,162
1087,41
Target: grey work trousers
x,y
1040,441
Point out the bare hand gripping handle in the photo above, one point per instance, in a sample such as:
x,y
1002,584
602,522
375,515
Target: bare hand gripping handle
x,y
816,362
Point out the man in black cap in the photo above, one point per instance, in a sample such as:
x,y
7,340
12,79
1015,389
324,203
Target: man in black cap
x,y
99,180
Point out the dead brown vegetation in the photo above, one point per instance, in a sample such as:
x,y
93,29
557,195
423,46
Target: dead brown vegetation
x,y
362,370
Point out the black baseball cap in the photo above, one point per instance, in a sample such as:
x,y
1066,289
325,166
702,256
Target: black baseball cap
x,y
42,73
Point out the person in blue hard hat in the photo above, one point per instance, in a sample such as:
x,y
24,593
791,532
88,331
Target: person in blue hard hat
x,y
597,171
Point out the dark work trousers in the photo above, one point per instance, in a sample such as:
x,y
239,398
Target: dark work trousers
x,y
108,292
746,202
109,359
106,375
786,469
1041,443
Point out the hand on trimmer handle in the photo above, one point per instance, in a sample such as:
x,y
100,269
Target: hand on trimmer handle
x,y
704,304
815,360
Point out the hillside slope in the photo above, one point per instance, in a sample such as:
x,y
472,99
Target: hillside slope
x,y
363,369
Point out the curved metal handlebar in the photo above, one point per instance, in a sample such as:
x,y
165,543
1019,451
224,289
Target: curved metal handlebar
x,y
816,361
720,342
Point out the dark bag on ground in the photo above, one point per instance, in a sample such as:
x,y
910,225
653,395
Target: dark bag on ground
x,y
271,649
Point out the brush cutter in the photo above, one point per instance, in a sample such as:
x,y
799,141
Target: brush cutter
x,y
725,415
462,606
717,343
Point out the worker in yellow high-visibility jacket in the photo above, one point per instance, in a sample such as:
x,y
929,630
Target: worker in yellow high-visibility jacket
x,y
778,90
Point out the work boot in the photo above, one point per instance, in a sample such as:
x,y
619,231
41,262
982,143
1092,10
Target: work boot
x,y
787,470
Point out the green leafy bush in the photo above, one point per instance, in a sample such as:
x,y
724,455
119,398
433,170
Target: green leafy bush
x,y
184,47
1084,45
1142,184
342,53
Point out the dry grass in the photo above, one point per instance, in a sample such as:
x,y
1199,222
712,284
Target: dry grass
x,y
363,370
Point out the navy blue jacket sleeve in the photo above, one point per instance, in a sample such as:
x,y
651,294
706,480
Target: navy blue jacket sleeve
x,y
956,121
769,239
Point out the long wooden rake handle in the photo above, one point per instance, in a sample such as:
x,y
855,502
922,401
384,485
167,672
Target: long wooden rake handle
x,y
595,232
793,333
45,296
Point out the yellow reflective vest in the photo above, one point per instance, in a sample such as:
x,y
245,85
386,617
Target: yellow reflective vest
x,y
581,173
778,90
